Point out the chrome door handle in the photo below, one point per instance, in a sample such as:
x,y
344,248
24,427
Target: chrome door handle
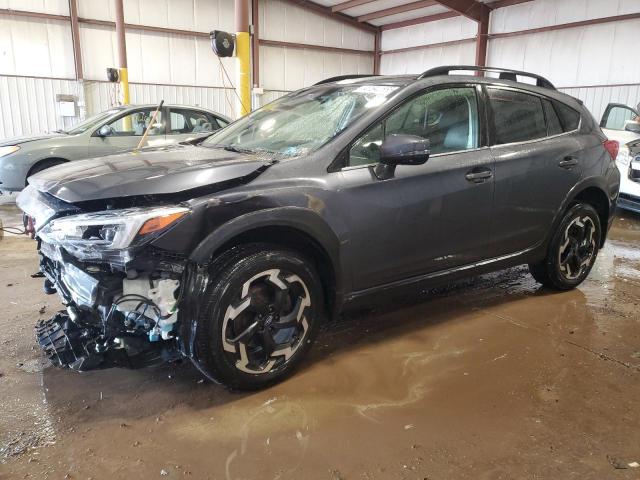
x,y
568,162
479,177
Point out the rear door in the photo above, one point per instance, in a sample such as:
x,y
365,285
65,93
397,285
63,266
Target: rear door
x,y
426,218
126,132
538,159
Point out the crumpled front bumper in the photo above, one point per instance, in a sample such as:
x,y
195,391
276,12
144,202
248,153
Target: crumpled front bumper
x,y
72,283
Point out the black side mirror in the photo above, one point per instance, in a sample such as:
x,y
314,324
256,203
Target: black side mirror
x,y
401,150
404,150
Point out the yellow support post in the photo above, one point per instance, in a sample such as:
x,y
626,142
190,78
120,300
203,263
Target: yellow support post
x,y
243,54
124,85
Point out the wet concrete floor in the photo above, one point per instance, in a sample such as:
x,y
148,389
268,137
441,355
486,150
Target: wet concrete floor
x,y
492,378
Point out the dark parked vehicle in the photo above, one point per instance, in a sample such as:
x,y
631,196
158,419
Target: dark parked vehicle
x,y
231,251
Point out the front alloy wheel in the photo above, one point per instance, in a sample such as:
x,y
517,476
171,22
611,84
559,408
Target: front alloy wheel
x,y
267,323
259,317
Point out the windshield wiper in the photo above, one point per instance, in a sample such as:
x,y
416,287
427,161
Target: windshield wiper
x,y
61,131
233,148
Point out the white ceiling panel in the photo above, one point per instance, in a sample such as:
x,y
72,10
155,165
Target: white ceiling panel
x,y
399,17
374,7
328,3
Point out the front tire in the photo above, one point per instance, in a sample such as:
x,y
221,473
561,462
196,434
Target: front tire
x,y
260,314
572,251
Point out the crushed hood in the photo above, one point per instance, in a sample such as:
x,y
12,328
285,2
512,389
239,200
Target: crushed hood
x,y
29,138
151,171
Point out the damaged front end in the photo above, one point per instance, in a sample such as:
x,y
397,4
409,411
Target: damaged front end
x,y
121,293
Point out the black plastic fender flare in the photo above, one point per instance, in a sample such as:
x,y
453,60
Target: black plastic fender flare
x,y
302,219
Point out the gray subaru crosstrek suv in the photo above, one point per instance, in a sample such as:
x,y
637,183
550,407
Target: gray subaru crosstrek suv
x,y
232,250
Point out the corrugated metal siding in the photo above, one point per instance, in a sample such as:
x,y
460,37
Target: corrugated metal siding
x,y
285,68
287,22
102,95
544,13
27,105
447,30
418,61
198,15
41,48
596,99
57,7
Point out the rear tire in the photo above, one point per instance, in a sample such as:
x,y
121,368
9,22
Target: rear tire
x,y
572,251
259,316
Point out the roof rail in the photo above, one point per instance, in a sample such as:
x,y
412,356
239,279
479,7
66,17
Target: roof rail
x,y
505,74
344,77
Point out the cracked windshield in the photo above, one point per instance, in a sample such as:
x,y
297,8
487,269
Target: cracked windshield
x,y
300,122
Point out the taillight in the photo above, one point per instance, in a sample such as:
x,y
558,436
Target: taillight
x,y
612,146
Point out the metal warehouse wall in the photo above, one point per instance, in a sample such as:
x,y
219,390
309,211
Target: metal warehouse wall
x,y
36,56
595,63
440,31
288,68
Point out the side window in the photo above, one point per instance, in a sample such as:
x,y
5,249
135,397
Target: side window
x,y
134,124
191,121
517,116
220,122
553,122
366,150
177,122
569,118
616,116
448,118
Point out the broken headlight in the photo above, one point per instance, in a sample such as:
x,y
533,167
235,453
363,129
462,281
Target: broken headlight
x,y
111,229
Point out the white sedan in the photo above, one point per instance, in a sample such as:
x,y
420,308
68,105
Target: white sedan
x,y
622,123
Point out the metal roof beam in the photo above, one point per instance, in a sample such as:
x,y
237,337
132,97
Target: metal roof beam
x,y
471,9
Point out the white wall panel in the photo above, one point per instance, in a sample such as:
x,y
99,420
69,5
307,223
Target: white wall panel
x,y
592,55
101,95
447,30
544,13
27,105
197,15
417,61
286,22
38,48
57,7
155,58
285,68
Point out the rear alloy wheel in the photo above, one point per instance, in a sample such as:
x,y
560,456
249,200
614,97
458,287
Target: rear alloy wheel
x,y
260,317
572,251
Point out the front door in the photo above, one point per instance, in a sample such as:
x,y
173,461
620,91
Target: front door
x,y
538,159
124,133
425,218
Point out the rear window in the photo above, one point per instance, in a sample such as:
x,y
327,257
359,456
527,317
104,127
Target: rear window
x,y
517,116
554,127
569,118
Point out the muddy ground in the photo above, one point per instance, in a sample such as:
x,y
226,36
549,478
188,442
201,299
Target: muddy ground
x,y
493,378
